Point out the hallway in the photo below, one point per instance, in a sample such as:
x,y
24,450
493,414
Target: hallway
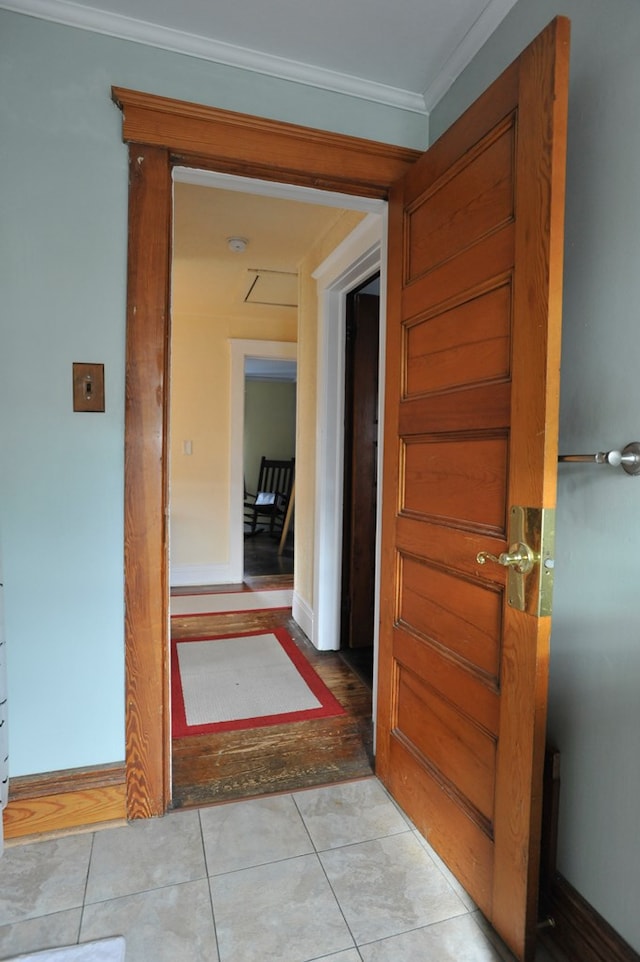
x,y
334,873
285,757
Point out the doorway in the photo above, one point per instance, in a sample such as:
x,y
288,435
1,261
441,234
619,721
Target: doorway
x,y
270,389
244,352
253,148
360,480
342,747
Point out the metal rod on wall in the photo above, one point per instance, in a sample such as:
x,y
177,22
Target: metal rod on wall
x,y
628,459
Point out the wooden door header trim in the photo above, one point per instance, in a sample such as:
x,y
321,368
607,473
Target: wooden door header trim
x,y
198,135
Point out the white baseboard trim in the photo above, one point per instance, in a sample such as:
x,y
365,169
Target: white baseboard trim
x,y
185,576
302,614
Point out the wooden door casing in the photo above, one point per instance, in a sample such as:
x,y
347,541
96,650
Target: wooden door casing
x,y
163,133
472,385
146,586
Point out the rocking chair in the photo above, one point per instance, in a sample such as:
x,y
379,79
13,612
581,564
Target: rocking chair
x,y
271,500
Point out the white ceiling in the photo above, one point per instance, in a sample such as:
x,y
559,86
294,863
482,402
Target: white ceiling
x,y
400,52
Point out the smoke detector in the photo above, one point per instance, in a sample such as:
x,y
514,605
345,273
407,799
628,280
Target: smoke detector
x,y
237,244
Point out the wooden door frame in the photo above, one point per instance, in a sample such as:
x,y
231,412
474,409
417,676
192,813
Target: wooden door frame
x,y
161,134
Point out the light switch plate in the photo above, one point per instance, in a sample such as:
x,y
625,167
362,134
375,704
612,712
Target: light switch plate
x,y
88,387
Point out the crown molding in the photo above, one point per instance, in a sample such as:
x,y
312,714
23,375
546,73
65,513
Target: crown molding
x,y
126,28
492,15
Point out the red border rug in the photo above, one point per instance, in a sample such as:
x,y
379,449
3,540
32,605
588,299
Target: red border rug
x,y
329,704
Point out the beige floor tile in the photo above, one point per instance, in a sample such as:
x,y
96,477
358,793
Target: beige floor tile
x,y
352,812
45,932
273,897
284,911
388,886
146,854
42,878
351,955
243,834
457,887
172,924
454,940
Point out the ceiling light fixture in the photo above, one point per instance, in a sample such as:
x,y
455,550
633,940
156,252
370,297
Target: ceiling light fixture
x,y
237,244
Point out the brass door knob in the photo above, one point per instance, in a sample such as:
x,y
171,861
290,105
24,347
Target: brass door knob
x,y
519,556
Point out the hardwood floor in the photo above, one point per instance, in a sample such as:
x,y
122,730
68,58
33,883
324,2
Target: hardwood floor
x,y
258,761
261,555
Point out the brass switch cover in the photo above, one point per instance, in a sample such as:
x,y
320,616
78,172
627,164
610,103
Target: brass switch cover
x,y
88,387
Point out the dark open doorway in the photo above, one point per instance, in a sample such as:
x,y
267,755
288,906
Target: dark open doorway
x,y
360,477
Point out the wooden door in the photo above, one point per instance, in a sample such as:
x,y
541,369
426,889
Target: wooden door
x,y
360,470
472,385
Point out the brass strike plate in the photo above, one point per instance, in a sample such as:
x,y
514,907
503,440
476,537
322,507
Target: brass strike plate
x,y
533,592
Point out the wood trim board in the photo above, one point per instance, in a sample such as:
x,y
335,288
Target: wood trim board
x,y
579,931
64,800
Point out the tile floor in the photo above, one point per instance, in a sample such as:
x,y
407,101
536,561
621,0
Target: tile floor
x,y
334,873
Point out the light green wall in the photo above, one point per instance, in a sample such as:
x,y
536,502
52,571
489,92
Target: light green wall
x,y
595,664
63,215
269,425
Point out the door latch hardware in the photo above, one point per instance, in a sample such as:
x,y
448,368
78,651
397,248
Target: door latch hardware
x,y
519,556
529,560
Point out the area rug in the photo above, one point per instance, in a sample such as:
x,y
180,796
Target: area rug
x,y
229,602
104,950
233,682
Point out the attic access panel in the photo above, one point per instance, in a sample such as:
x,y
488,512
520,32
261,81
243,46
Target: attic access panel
x,y
274,288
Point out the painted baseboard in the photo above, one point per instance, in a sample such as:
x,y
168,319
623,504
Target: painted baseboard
x,y
192,576
58,801
578,931
302,613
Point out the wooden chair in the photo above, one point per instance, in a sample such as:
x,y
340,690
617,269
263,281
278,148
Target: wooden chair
x,y
271,500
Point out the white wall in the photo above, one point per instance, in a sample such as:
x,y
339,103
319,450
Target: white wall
x,y
63,211
595,663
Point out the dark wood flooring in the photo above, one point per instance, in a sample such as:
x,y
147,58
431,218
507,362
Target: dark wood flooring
x,y
258,761
261,555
